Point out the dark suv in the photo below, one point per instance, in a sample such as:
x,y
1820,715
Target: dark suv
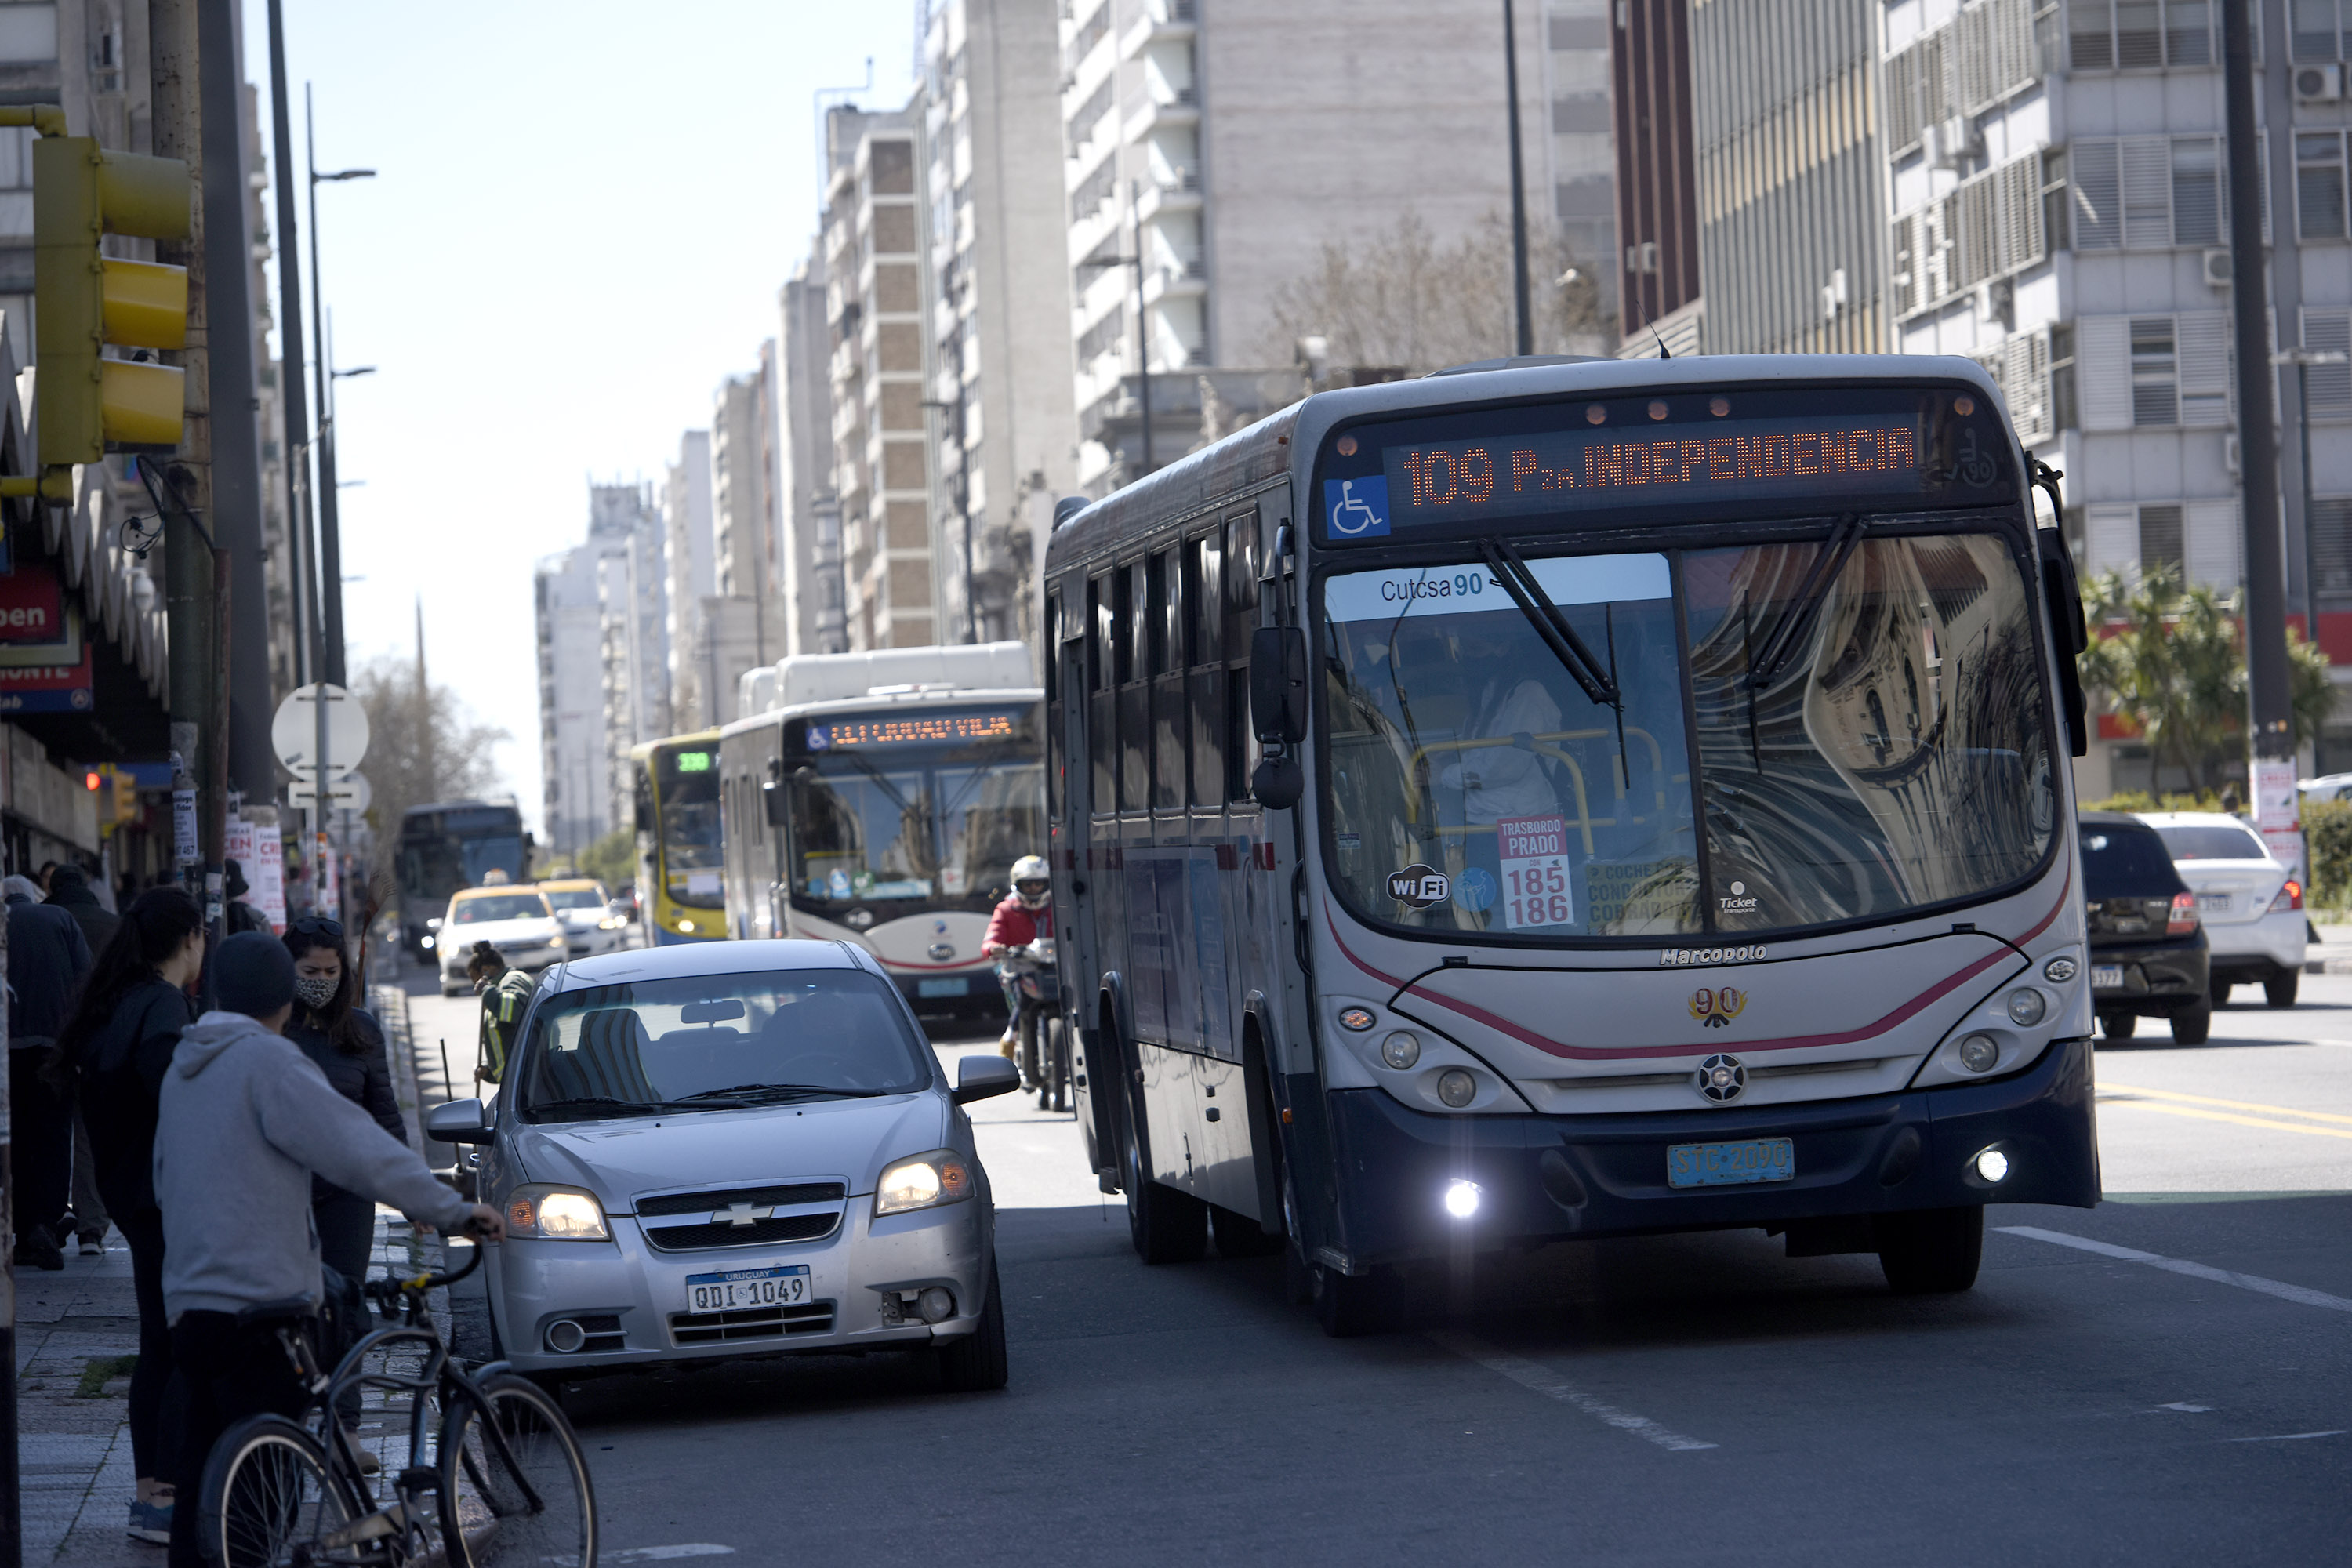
x,y
2148,947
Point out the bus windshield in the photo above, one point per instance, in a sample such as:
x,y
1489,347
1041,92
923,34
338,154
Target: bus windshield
x,y
1867,719
686,783
933,824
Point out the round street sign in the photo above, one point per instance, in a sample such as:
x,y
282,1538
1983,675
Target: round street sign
x,y
294,732
350,793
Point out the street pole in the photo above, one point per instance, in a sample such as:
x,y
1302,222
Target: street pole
x,y
1522,317
331,544
293,363
1142,327
2269,695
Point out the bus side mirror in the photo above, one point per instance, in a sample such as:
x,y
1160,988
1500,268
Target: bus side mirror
x,y
645,817
773,800
1278,685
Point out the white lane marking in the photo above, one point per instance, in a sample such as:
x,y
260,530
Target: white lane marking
x,y
2287,1437
1544,1380
2187,1409
666,1553
2284,1292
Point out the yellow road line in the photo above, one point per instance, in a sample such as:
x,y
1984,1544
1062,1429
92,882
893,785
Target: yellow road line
x,y
2240,1121
2232,1104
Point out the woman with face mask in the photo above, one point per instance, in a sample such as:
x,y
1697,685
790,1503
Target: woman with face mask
x,y
347,1043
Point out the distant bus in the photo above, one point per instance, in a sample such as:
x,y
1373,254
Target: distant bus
x,y
1568,800
680,894
882,799
450,845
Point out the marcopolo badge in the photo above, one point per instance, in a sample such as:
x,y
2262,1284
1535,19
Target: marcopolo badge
x,y
1418,885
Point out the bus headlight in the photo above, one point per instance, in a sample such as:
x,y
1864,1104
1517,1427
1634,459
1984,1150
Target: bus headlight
x,y
2026,1006
1401,1049
426,944
1456,1088
686,925
1980,1053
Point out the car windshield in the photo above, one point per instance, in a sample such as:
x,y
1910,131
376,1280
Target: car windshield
x,y
2210,841
1870,738
575,898
711,1042
499,906
2121,862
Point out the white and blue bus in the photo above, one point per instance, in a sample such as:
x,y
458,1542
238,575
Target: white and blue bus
x,y
881,798
1564,799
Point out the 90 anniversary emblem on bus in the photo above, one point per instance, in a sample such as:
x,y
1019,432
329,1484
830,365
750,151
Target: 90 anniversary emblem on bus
x,y
1715,1009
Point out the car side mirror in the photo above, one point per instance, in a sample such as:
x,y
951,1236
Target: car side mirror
x,y
1277,679
983,1077
468,1122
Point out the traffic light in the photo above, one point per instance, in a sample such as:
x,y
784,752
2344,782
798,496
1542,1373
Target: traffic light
x,y
126,796
84,299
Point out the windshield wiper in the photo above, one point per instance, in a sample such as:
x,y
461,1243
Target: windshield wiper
x,y
1550,624
785,1091
604,1104
1797,622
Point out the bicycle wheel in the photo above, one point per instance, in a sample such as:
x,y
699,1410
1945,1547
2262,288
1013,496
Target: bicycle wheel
x,y
268,1498
524,1501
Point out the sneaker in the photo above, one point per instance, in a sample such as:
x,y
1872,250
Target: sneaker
x,y
37,1249
151,1522
93,1247
1006,1047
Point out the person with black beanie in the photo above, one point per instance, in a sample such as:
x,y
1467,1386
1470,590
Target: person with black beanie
x,y
239,915
117,1045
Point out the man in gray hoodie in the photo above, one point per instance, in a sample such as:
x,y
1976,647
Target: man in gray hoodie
x,y
243,1121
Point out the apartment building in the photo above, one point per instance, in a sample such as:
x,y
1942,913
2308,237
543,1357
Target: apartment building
x,y
632,592
602,629
1226,146
1657,177
2058,186
808,552
690,574
1580,151
1000,417
877,313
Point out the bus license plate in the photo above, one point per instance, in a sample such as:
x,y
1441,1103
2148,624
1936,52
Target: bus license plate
x,y
958,987
1730,1164
741,1288
2106,977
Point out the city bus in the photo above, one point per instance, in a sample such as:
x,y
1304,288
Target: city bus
x,y
882,800
1564,799
446,846
680,893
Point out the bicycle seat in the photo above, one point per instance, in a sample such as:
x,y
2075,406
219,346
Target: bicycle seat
x,y
268,1312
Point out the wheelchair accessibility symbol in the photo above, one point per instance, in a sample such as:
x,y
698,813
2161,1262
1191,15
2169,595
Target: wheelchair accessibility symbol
x,y
1358,508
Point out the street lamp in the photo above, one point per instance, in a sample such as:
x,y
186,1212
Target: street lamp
x,y
331,549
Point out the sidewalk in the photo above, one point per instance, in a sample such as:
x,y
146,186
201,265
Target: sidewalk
x,y
77,1334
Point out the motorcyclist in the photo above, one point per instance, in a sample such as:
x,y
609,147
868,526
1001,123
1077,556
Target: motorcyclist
x,y
1024,915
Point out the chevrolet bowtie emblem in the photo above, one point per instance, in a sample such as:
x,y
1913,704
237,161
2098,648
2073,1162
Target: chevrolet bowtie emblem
x,y
742,1215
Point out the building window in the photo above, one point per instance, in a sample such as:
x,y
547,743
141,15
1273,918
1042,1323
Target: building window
x,y
2155,373
2319,184
2142,34
2331,544
2159,538
2316,28
2328,387
2153,193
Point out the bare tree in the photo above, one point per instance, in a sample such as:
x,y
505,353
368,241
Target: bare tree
x,y
1403,302
424,745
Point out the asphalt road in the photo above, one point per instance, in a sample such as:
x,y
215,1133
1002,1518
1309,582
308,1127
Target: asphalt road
x,y
2164,1379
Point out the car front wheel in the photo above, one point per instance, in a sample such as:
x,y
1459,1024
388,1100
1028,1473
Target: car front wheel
x,y
975,1363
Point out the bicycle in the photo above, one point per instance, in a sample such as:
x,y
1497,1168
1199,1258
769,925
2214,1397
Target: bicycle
x,y
506,1482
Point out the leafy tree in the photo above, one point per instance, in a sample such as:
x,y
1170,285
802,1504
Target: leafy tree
x,y
2171,658
612,859
423,744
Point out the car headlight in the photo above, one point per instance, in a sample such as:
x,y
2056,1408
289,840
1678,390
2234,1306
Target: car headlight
x,y
556,1213
433,922
428,944
615,924
926,1181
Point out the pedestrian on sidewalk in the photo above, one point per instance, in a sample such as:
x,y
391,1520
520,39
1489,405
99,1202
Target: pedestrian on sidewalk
x,y
70,890
238,914
245,1121
118,1044
48,957
347,1043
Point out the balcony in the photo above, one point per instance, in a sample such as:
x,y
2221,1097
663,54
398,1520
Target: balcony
x,y
1181,112
1162,22
1180,195
1185,280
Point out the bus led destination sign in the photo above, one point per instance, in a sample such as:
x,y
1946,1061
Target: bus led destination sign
x,y
1748,459
913,729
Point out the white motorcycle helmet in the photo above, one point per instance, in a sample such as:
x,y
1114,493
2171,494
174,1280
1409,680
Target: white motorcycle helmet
x,y
1032,882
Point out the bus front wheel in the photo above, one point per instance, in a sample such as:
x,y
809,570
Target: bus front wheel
x,y
1166,1225
1347,1305
1931,1251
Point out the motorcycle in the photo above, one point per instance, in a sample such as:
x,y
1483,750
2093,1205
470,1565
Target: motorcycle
x,y
1043,1035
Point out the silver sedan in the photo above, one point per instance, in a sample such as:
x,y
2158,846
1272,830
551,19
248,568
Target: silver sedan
x,y
734,1148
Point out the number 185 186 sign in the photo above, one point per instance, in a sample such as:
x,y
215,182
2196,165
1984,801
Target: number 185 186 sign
x,y
1535,890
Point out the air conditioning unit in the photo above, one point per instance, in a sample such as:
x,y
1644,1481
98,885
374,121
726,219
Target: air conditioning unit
x,y
1949,143
2230,454
2217,268
2319,84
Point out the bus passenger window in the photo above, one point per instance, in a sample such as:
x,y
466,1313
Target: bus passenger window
x,y
1203,601
1099,619
1207,688
1169,729
1102,699
1238,739
1051,641
1135,693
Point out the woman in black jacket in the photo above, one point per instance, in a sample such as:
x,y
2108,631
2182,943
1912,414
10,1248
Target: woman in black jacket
x,y
118,1044
347,1043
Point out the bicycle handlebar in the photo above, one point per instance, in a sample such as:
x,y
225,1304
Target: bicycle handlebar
x,y
390,1289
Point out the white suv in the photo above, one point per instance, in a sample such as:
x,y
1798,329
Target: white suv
x,y
2253,909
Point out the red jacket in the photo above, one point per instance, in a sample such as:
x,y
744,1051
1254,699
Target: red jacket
x,y
1015,926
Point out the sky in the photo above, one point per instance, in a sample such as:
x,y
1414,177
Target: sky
x,y
582,214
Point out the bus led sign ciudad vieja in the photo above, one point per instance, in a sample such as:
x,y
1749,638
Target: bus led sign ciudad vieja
x,y
1756,459
859,732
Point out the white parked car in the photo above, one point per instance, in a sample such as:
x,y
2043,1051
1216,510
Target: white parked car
x,y
515,920
2327,786
2253,909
